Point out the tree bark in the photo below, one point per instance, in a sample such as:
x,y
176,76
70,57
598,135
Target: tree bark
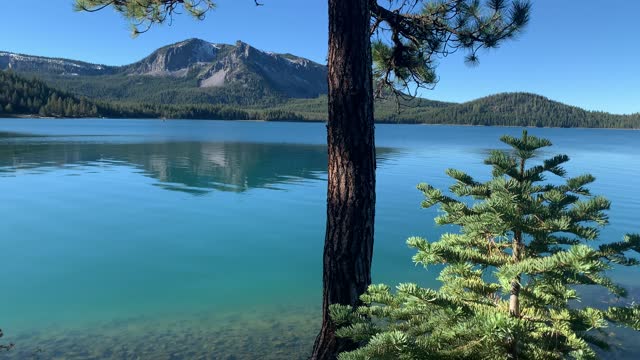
x,y
518,252
514,297
348,245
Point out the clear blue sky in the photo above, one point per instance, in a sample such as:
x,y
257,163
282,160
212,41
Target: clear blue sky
x,y
584,53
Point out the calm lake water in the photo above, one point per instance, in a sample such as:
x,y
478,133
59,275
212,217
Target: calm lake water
x,y
142,239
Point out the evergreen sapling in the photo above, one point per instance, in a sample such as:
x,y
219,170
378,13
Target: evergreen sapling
x,y
512,275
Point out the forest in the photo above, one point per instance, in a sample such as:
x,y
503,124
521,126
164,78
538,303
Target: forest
x,y
23,96
20,96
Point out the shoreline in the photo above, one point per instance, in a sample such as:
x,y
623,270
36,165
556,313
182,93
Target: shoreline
x,y
36,117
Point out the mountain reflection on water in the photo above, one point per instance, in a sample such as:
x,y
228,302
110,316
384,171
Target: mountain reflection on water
x,y
192,167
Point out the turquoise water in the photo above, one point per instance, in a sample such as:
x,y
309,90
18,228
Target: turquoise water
x,y
129,239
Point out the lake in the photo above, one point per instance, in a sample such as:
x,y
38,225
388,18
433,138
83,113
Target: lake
x,y
148,239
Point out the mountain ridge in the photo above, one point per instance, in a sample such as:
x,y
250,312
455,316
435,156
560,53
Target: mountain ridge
x,y
25,62
208,66
31,97
195,78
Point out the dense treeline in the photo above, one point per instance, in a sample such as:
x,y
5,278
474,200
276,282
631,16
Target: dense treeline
x,y
219,112
21,96
508,109
165,90
521,109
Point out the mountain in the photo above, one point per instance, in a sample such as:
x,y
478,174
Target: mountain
x,y
53,66
196,79
191,71
217,65
24,97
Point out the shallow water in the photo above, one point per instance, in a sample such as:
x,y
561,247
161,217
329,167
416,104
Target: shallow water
x,y
130,239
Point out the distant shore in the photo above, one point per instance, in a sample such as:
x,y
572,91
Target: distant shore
x,y
378,122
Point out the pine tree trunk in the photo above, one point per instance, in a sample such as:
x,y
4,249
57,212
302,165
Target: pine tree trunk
x,y
348,245
514,298
518,252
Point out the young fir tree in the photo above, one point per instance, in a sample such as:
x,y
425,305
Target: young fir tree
x,y
512,275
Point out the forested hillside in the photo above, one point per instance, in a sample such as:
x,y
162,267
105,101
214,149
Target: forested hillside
x,y
197,79
164,90
193,71
21,96
522,109
507,109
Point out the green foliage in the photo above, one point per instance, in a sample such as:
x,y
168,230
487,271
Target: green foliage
x,y
164,90
144,13
20,96
411,35
520,109
508,109
177,98
513,274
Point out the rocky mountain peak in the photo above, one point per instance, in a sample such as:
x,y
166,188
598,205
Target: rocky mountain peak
x,y
175,59
240,66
